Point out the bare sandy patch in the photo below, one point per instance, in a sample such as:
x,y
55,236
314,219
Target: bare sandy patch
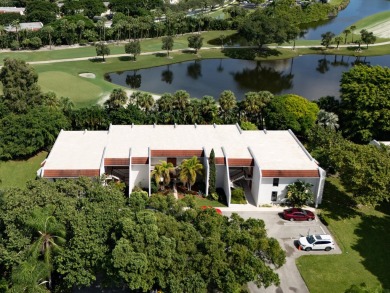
x,y
87,75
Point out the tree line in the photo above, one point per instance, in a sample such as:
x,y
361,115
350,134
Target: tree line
x,y
275,23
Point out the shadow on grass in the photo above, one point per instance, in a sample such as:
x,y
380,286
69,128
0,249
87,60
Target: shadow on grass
x,y
188,51
232,40
336,203
373,245
160,54
125,58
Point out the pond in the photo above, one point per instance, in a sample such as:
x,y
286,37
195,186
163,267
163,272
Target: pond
x,y
356,10
311,76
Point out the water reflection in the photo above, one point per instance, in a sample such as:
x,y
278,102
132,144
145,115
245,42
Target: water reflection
x,y
134,80
263,78
310,76
167,75
194,70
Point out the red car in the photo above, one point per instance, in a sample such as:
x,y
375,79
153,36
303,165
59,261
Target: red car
x,y
296,214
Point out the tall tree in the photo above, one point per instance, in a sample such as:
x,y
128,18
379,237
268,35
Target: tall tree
x,y
367,37
118,98
102,49
326,39
195,42
167,44
227,102
189,169
346,32
50,237
163,171
212,174
365,103
49,30
260,28
291,112
20,85
133,48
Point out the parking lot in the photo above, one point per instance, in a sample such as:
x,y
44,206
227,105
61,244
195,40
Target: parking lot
x,y
287,233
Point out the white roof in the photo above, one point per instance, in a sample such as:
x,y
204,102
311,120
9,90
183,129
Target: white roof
x,y
273,150
25,26
77,150
19,10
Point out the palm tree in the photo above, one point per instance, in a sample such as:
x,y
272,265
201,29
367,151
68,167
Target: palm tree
x,y
80,28
338,40
15,24
254,104
50,236
30,277
163,171
352,28
165,103
189,169
209,109
227,102
145,101
328,119
48,30
181,99
346,33
299,193
118,98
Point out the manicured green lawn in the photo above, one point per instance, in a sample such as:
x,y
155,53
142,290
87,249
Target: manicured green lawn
x,y
17,173
147,45
363,235
371,20
63,78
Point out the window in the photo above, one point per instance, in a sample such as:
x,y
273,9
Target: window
x,y
276,182
274,195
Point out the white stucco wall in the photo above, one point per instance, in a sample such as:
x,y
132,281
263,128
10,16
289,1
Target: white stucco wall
x,y
267,188
255,190
139,176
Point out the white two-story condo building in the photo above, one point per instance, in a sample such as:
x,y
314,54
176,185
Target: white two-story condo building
x,y
263,162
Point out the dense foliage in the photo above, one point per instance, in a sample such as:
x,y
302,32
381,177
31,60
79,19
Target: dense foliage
x,y
81,21
365,103
29,119
140,243
363,169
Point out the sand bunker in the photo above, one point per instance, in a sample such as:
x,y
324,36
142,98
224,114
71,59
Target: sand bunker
x,y
87,75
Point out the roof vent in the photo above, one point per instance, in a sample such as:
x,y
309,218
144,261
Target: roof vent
x,y
215,126
265,130
85,131
174,125
195,125
132,125
154,125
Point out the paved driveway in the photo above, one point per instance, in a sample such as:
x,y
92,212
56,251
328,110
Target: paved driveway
x,y
287,233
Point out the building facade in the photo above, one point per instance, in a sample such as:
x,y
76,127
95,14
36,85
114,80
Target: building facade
x,y
264,163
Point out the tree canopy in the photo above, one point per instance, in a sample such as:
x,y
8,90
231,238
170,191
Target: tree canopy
x,y
291,112
141,243
261,28
365,103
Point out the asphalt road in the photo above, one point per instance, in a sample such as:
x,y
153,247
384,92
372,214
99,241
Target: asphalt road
x,y
287,233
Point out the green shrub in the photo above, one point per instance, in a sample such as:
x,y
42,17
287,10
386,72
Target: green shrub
x,y
238,196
